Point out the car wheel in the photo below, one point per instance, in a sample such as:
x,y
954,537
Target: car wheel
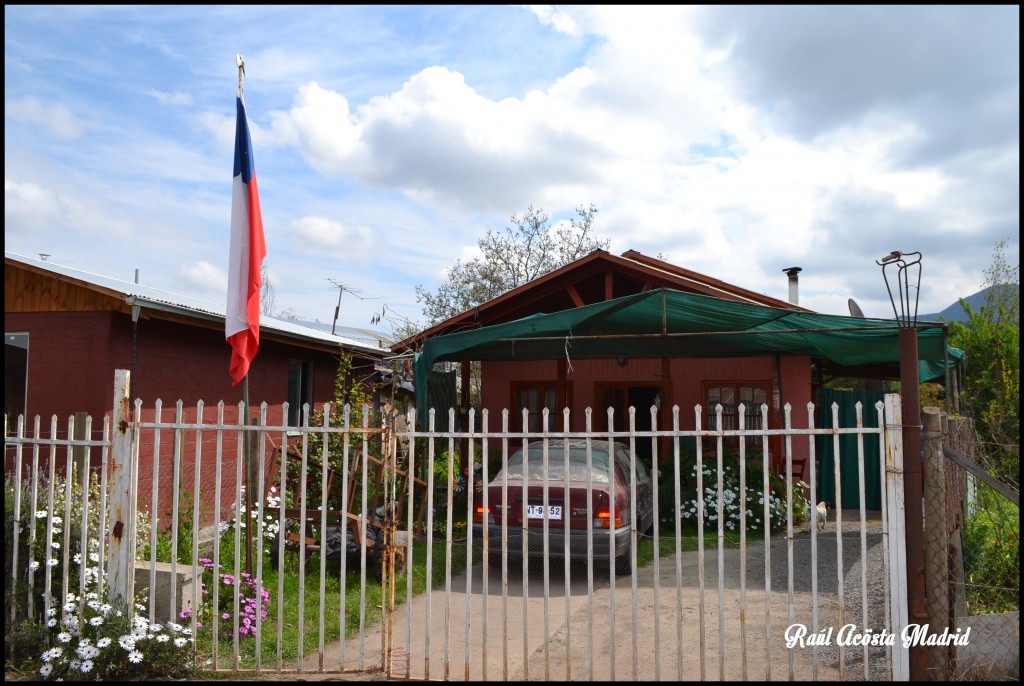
x,y
624,564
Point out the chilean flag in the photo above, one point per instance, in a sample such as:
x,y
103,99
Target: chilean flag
x,y
248,248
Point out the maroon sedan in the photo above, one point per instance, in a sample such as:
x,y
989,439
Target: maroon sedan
x,y
599,527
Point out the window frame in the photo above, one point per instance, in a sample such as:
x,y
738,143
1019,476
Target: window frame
x,y
302,387
730,420
14,339
534,422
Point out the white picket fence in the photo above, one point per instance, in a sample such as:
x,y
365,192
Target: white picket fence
x,y
683,615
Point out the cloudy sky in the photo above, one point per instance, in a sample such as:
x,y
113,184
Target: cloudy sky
x,y
736,141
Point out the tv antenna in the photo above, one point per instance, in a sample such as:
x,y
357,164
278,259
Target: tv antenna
x,y
341,289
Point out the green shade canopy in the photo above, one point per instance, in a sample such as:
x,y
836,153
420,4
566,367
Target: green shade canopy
x,y
671,323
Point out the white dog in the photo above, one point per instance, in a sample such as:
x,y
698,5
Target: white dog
x,y
822,515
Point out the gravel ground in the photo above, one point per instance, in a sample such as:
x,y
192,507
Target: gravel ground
x,y
828,588
538,639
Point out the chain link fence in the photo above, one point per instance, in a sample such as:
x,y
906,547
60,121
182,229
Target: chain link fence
x,y
972,553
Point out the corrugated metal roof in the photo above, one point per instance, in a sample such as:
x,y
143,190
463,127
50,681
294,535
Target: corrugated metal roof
x,y
147,296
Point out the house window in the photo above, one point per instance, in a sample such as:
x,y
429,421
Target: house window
x,y
730,395
300,390
15,377
534,397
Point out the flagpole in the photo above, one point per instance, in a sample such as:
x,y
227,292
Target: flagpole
x,y
245,405
248,478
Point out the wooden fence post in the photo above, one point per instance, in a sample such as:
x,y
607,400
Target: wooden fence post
x,y
121,548
936,540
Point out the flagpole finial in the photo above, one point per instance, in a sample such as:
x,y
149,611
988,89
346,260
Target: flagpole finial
x,y
241,72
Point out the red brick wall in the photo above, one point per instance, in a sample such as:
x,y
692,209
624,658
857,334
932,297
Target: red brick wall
x,y
71,362
72,357
163,473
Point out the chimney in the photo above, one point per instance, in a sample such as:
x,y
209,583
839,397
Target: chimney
x,y
794,292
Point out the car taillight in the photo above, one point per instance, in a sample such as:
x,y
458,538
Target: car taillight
x,y
603,519
478,516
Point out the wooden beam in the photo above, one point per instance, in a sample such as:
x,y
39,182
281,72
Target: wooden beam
x,y
576,299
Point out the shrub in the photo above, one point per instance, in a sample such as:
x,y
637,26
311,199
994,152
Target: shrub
x,y
991,541
252,612
105,642
731,500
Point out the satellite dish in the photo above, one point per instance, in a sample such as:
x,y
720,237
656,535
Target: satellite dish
x,y
855,310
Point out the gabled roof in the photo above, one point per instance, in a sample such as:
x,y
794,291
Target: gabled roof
x,y
123,295
596,277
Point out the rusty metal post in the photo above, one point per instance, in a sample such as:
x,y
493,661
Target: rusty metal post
x,y
913,490
121,549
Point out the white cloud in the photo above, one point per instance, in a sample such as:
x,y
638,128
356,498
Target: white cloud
x,y
319,236
29,206
561,20
203,277
176,98
320,126
55,117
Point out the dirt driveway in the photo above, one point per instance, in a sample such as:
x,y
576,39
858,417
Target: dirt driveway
x,y
574,636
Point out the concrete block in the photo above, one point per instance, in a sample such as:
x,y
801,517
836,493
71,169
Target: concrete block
x,y
181,581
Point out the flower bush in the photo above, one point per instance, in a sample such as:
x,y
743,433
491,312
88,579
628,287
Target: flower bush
x,y
104,642
253,601
733,503
270,523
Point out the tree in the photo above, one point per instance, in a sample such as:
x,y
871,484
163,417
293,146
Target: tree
x,y
991,343
268,298
524,250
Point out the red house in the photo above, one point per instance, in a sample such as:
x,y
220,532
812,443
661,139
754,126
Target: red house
x,y
631,330
66,331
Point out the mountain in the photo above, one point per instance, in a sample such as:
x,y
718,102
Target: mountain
x,y
955,313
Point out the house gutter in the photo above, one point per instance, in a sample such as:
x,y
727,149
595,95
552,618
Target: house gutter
x,y
710,333
138,303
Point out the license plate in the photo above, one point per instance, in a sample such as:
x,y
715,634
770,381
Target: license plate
x,y
537,512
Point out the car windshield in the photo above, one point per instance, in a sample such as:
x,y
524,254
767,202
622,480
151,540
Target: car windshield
x,y
556,465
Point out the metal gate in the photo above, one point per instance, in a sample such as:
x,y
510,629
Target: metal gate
x,y
370,549
791,602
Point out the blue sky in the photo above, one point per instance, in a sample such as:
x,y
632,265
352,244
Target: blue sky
x,y
734,141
